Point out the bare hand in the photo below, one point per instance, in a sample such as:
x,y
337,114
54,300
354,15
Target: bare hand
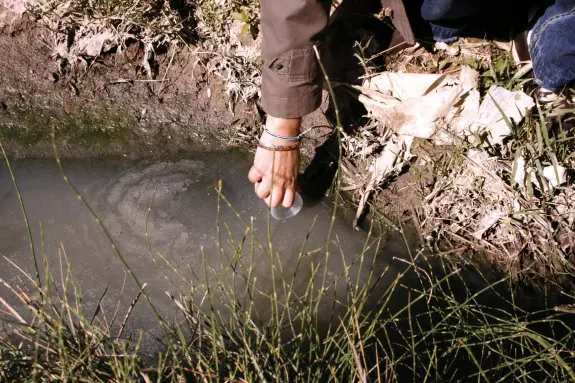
x,y
274,173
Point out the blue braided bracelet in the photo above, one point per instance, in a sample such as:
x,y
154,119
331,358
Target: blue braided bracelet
x,y
296,138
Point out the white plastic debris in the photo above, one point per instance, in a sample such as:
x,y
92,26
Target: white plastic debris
x,y
390,160
477,160
402,86
393,154
553,176
442,107
87,43
556,175
412,104
487,221
449,49
519,167
431,106
501,107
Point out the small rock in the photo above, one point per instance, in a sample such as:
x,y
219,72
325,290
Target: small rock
x,y
3,107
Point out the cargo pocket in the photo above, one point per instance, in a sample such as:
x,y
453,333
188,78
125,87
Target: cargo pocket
x,y
297,65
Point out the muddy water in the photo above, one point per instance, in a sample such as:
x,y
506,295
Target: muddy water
x,y
169,224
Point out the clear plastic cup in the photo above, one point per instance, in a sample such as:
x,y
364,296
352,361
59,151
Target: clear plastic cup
x,y
281,212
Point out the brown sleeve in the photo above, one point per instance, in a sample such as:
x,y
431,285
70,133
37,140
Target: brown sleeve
x,y
291,77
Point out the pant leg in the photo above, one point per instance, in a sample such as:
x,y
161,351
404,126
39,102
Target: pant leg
x,y
435,10
400,19
552,45
449,18
490,19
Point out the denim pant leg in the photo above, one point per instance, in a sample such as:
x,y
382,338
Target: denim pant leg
x,y
447,18
552,45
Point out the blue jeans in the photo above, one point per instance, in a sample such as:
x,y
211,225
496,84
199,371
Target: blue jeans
x,y
552,45
552,42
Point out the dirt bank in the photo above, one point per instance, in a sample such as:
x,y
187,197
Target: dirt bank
x,y
110,107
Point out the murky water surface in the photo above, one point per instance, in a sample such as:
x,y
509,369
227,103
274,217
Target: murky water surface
x,y
169,212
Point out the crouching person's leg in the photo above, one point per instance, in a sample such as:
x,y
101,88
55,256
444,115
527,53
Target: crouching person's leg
x,y
552,45
449,18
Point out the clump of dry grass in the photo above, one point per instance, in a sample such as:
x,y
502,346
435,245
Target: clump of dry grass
x,y
225,34
513,201
473,204
83,30
230,43
54,339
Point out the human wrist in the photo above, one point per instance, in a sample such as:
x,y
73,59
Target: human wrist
x,y
289,127
281,127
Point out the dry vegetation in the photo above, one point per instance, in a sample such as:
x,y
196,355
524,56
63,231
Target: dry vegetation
x,y
223,34
510,198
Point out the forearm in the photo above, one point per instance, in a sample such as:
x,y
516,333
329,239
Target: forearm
x,y
292,81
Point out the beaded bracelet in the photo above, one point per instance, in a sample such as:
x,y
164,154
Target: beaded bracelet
x,y
278,148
